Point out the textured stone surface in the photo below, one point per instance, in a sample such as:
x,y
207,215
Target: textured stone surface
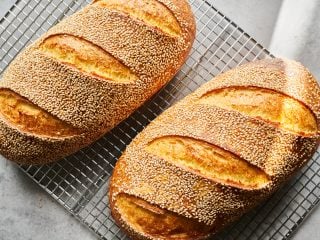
x,y
28,213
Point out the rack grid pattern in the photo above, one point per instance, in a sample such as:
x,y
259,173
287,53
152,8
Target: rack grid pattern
x,y
80,181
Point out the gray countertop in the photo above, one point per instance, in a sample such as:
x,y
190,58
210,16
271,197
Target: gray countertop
x,y
287,28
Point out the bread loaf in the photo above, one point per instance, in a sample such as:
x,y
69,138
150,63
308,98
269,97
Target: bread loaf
x,y
88,73
217,153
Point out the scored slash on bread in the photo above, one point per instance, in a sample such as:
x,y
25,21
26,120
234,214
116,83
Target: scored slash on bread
x,y
219,152
151,12
87,57
208,160
30,118
90,72
268,105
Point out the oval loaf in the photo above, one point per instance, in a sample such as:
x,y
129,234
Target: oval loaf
x,y
88,73
217,153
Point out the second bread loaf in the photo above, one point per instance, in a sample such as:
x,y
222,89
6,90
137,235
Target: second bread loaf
x,y
217,153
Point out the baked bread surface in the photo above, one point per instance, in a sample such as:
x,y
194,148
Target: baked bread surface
x,y
217,153
88,73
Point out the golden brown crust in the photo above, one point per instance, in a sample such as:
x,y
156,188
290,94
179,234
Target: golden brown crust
x,y
175,187
209,161
69,86
155,221
282,75
271,106
26,148
87,57
151,12
158,223
27,117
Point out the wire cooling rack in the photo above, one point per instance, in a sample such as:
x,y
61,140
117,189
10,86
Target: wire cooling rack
x,y
80,182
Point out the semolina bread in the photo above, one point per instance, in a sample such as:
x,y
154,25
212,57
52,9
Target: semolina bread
x,y
217,153
88,73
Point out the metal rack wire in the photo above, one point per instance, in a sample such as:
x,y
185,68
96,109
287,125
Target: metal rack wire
x,y
80,181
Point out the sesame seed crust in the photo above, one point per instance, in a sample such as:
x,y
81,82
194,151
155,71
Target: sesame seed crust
x,y
282,75
25,148
83,100
279,153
